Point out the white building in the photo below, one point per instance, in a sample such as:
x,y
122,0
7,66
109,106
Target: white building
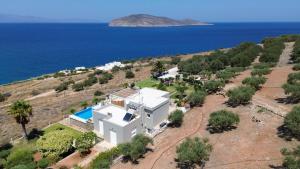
x,y
131,112
109,66
171,73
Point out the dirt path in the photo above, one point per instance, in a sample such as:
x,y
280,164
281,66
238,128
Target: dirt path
x,y
286,54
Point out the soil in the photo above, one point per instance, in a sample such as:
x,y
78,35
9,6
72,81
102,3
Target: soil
x,y
251,145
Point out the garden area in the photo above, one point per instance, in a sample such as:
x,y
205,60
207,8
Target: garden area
x,y
46,147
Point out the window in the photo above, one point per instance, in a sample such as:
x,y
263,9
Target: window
x,y
148,115
133,132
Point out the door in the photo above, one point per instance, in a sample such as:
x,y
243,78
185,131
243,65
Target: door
x,y
113,137
101,129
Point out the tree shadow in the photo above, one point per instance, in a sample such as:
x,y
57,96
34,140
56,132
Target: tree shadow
x,y
6,146
187,165
35,133
276,167
174,125
213,130
285,133
234,105
287,100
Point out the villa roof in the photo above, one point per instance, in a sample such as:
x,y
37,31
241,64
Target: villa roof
x,y
114,114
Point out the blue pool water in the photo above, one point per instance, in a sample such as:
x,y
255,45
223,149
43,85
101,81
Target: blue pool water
x,y
30,50
85,114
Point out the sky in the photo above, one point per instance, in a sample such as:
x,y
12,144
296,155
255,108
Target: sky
x,y
202,10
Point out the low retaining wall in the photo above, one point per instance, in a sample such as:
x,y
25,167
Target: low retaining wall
x,y
87,126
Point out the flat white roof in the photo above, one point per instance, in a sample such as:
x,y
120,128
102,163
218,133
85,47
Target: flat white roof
x,y
149,97
117,114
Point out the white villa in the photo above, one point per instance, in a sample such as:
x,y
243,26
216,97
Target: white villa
x,y
126,113
109,66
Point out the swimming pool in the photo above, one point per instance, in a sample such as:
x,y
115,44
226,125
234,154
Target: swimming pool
x,y
83,115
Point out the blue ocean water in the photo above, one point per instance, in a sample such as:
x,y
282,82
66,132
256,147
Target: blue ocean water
x,y
30,50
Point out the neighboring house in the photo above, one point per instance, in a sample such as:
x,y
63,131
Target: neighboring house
x,y
131,112
109,66
171,73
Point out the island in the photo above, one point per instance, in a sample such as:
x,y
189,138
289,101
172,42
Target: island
x,y
145,20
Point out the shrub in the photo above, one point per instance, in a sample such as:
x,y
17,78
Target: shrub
x,y
98,93
296,52
107,76
115,69
59,74
20,156
255,82
176,118
157,69
273,48
193,151
129,74
292,121
225,75
213,86
4,153
2,98
240,96
292,87
25,166
222,120
197,98
43,163
78,87
103,80
175,60
84,104
63,86
136,148
161,86
261,72
90,81
55,143
296,67
291,158
216,65
104,159
85,142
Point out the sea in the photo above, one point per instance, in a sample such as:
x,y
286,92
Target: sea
x,y
31,50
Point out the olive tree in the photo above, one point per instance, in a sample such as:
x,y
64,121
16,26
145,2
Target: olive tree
x,y
292,121
240,95
255,81
213,86
197,98
193,151
291,158
176,118
222,120
85,142
136,148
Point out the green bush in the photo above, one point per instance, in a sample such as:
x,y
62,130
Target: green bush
x,y
296,52
55,143
273,48
43,163
176,118
261,72
296,67
222,120
161,86
136,148
193,151
240,95
85,142
115,69
78,87
20,156
4,153
291,158
98,93
31,165
129,74
197,98
63,86
225,75
90,81
213,86
255,81
292,87
2,97
104,159
103,80
175,60
292,121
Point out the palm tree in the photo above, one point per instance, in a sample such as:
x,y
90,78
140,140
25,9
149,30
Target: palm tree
x,y
21,111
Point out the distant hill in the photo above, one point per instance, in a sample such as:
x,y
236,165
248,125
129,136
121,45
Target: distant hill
x,y
7,18
144,20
